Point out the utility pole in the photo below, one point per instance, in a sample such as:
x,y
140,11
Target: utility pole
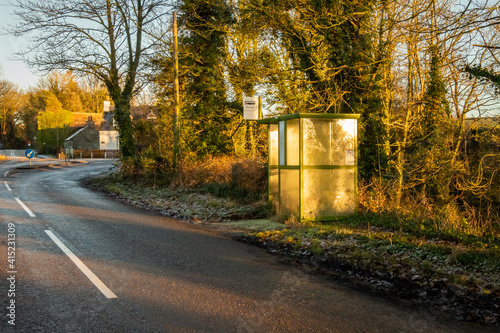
x,y
176,158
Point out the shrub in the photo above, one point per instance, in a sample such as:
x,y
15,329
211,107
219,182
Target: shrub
x,y
250,175
211,170
225,176
417,211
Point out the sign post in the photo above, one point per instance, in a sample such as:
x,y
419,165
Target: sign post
x,y
177,111
30,153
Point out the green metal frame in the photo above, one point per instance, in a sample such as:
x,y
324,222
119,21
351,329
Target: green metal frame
x,y
275,120
301,167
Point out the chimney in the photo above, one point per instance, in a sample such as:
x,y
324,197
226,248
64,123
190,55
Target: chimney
x,y
90,123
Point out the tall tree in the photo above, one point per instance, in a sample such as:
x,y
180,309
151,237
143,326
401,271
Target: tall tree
x,y
245,68
65,87
335,47
9,103
54,119
205,111
107,39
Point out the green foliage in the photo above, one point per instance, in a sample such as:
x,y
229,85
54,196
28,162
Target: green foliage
x,y
436,105
484,74
205,112
122,98
11,100
338,57
53,123
431,144
335,49
150,169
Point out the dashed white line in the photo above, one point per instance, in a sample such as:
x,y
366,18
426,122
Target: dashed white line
x,y
30,213
90,275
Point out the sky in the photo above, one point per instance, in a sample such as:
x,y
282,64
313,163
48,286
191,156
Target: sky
x,y
14,71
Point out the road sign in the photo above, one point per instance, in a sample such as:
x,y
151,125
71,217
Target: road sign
x,y
30,153
251,108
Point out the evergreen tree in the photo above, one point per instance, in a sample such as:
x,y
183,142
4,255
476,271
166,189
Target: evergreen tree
x,y
432,146
334,45
205,113
436,105
53,122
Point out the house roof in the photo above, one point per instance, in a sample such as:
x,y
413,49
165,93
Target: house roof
x,y
142,112
79,119
69,138
104,121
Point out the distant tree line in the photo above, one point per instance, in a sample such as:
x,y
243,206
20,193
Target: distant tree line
x,y
42,115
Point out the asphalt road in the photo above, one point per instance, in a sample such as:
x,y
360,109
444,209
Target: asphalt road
x,y
72,260
12,153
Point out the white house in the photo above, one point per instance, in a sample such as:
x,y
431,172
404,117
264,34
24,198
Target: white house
x,y
108,140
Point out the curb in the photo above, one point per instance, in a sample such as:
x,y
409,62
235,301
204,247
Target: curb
x,y
47,165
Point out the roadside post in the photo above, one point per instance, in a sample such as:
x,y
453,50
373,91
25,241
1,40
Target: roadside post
x,y
252,112
30,153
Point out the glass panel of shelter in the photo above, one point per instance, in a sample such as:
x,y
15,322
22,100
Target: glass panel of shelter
x,y
329,141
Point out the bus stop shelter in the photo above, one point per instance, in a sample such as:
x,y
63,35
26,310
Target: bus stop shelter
x,y
313,165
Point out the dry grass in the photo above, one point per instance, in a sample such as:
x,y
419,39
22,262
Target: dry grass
x,y
451,217
244,173
236,178
250,175
210,170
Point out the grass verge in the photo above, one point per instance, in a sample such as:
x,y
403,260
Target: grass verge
x,y
459,274
188,204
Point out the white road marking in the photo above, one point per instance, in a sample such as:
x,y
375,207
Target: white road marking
x,y
90,275
30,213
7,186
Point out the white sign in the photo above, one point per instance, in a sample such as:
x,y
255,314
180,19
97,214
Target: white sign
x,y
251,108
106,105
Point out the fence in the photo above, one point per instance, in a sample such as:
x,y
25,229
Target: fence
x,y
92,154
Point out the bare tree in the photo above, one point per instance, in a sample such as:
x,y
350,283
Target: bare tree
x,y
106,39
6,89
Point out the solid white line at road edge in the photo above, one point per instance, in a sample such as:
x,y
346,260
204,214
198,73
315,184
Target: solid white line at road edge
x,y
91,276
30,213
7,186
